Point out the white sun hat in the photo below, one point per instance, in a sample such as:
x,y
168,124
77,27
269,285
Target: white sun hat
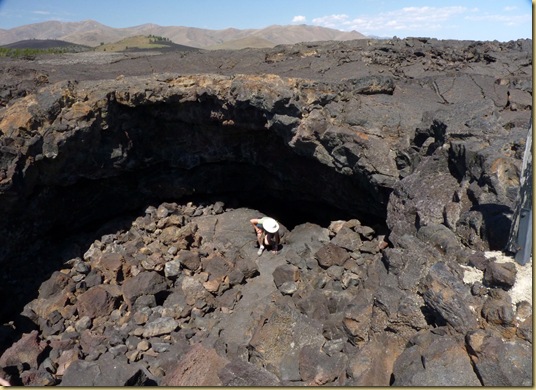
x,y
270,225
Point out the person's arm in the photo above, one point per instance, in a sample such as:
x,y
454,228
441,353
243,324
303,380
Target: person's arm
x,y
254,222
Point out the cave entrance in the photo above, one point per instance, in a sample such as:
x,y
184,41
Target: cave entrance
x,y
288,210
181,151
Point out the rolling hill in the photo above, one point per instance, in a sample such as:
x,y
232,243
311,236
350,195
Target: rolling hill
x,y
45,44
92,33
141,42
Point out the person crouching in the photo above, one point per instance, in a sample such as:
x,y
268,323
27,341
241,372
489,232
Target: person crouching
x,y
267,230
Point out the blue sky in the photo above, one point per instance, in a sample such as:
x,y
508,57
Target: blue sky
x,y
502,20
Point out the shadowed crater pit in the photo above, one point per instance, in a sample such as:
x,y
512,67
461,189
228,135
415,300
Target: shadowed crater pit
x,y
117,158
101,173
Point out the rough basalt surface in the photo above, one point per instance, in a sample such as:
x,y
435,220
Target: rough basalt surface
x,y
129,182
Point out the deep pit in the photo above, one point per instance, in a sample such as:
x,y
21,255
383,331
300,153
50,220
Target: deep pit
x,y
103,176
105,161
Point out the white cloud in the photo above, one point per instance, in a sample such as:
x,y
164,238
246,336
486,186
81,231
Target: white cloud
x,y
426,20
508,20
332,21
299,19
407,18
41,12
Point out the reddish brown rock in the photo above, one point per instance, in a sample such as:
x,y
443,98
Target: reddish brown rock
x,y
331,254
110,264
373,364
198,367
95,302
189,259
55,284
24,351
65,360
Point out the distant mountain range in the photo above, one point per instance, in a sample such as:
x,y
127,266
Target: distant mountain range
x,y
92,33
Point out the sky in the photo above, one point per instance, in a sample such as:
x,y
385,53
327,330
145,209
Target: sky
x,y
501,20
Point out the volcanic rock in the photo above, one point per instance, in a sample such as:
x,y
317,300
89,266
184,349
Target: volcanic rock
x,y
286,273
95,302
498,310
433,359
26,351
373,363
145,283
391,166
330,255
241,373
500,275
449,298
504,362
198,367
318,368
106,370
